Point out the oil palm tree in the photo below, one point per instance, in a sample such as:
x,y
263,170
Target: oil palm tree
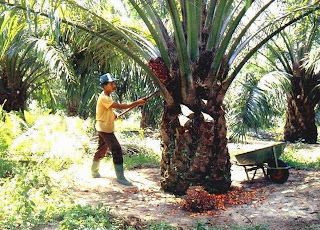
x,y
24,71
27,63
294,72
193,58
294,61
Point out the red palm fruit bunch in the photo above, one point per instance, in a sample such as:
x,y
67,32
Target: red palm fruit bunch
x,y
158,67
199,200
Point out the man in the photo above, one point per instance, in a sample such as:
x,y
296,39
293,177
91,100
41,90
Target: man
x,y
105,126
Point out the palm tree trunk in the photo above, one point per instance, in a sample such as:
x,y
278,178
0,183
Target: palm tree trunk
x,y
13,96
13,101
72,106
300,121
195,153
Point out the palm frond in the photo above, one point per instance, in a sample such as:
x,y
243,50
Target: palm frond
x,y
253,50
103,36
260,100
219,17
252,112
157,30
184,60
312,61
11,26
278,54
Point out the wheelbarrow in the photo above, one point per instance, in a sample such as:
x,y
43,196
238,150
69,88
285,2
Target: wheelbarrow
x,y
265,158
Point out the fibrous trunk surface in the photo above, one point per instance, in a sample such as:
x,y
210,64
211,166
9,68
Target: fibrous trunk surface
x,y
300,116
300,122
195,153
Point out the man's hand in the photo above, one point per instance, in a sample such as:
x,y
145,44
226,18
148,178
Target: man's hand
x,y
132,106
140,101
128,106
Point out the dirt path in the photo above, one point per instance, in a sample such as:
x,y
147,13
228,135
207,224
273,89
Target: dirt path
x,y
292,205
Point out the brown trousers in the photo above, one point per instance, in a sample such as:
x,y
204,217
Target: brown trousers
x,y
108,141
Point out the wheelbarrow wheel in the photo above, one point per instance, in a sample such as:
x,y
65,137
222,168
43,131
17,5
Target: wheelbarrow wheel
x,y
278,176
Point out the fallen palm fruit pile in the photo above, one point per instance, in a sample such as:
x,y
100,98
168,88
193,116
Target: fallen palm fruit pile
x,y
199,200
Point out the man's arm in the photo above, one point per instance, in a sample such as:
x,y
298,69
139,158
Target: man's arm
x,y
115,105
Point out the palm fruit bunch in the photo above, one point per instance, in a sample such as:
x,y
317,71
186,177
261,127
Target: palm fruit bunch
x,y
198,199
157,66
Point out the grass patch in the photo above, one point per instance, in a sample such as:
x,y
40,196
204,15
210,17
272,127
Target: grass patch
x,y
141,160
302,156
89,217
31,197
138,157
313,227
7,168
141,157
33,156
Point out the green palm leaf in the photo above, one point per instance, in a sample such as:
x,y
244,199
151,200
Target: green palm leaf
x,y
257,104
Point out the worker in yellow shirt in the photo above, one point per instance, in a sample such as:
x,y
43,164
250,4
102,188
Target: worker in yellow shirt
x,y
105,126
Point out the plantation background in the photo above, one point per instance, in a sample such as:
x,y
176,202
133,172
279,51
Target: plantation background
x,y
52,54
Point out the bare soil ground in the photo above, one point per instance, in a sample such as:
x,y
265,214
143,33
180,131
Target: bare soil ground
x,y
292,205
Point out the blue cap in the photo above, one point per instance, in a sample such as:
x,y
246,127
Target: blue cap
x,y
105,78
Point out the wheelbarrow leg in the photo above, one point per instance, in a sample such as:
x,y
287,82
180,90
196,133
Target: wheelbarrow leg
x,y
264,172
255,172
255,168
245,169
259,166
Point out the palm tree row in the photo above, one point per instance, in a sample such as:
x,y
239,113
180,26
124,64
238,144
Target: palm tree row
x,y
52,56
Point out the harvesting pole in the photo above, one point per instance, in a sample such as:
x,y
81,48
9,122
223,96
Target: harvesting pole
x,y
144,98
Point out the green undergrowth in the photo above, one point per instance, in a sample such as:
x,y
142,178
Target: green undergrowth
x,y
37,149
136,156
302,156
89,217
141,160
